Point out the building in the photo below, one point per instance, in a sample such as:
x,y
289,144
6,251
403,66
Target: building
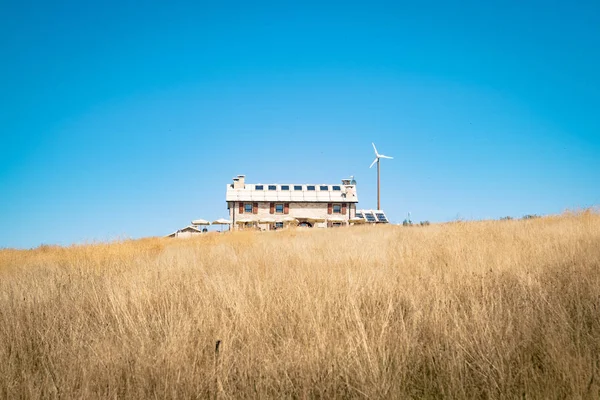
x,y
186,232
268,206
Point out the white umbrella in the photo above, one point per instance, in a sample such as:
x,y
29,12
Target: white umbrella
x,y
200,222
267,220
336,219
244,221
290,220
221,221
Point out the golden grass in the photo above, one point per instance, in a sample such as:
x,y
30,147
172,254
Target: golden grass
x,y
500,309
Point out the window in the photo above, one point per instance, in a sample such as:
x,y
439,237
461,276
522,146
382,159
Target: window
x,y
258,187
278,225
310,187
272,187
297,187
247,207
285,187
337,208
324,187
336,188
279,208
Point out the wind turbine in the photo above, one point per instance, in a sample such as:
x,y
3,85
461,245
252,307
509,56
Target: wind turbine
x,y
378,157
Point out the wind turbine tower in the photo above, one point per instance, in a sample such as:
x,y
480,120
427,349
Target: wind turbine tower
x,y
378,157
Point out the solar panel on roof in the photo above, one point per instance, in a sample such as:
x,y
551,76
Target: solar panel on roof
x,y
359,215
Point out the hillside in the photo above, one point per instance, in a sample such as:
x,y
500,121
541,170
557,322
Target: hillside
x,y
497,309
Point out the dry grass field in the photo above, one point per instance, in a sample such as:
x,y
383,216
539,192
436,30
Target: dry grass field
x,y
498,309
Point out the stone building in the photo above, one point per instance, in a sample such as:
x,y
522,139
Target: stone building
x,y
268,206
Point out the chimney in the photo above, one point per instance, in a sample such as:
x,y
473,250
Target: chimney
x,y
239,182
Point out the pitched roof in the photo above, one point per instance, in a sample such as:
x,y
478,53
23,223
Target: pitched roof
x,y
277,192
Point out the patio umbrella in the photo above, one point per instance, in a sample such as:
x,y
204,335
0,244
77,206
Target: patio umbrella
x,y
244,221
313,220
290,220
221,221
267,220
200,221
336,220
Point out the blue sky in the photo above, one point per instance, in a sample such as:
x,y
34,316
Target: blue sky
x,y
120,120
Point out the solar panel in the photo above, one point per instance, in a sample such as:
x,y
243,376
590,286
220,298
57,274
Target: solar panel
x,y
373,216
381,217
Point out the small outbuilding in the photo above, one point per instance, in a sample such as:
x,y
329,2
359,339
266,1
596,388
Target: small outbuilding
x,y
186,232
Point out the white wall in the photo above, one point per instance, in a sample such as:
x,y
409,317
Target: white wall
x,y
185,235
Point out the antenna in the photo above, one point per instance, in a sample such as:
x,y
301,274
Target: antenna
x,y
378,157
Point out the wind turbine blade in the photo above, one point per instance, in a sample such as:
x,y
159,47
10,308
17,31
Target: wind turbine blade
x,y
381,156
375,148
377,159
